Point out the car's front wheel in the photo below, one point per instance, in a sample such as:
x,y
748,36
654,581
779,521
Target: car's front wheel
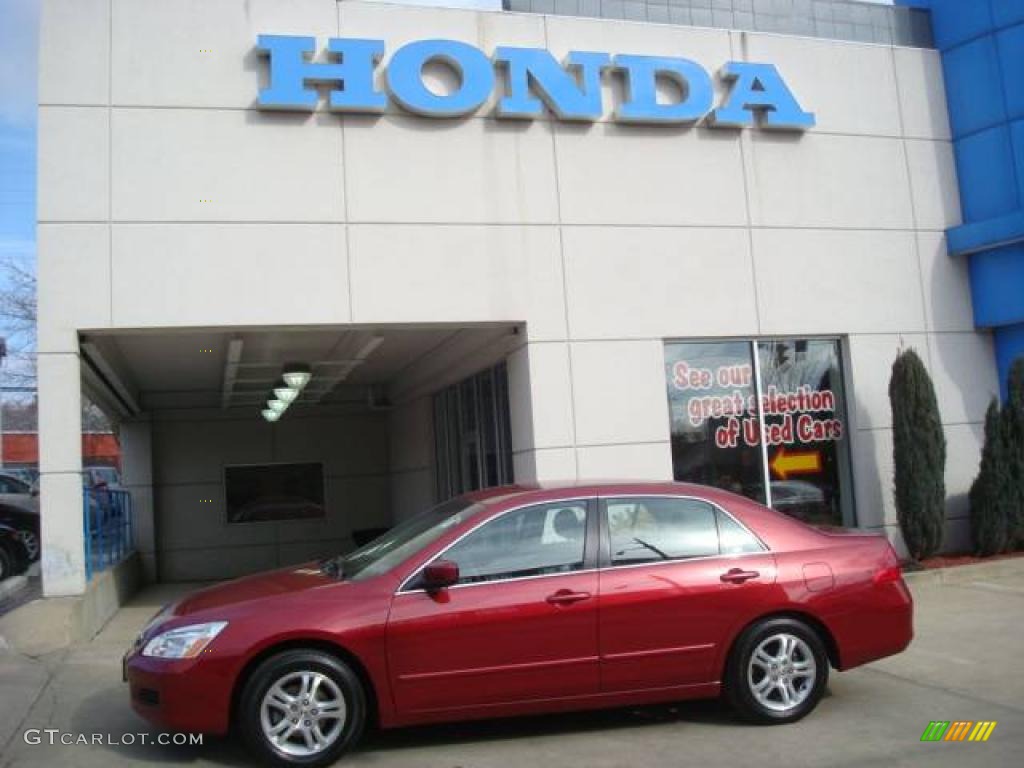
x,y
777,671
302,708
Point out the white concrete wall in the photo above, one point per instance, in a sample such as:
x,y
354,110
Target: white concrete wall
x,y
194,540
604,240
136,441
411,458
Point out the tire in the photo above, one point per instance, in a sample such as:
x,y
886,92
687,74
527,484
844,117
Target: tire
x,y
8,568
764,684
261,713
31,542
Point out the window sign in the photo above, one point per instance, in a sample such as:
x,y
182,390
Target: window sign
x,y
737,420
714,433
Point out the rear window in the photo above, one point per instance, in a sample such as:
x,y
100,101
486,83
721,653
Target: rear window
x,y
653,529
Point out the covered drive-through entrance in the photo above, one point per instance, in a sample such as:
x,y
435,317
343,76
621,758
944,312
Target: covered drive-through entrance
x,y
217,488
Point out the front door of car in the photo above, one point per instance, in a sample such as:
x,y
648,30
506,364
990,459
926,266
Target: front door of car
x,y
677,575
520,625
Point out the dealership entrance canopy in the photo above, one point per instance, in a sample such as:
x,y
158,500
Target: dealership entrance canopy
x,y
220,490
328,263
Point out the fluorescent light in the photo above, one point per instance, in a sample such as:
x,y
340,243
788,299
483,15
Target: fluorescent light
x,y
271,415
277,406
296,375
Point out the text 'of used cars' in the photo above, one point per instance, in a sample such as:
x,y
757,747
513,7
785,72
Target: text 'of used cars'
x,y
524,600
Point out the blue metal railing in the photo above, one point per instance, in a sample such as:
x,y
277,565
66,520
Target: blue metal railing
x,y
107,523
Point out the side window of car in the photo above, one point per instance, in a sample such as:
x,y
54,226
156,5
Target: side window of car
x,y
534,541
733,538
646,530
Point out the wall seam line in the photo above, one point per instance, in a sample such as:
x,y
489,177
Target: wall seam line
x,y
110,157
913,204
565,278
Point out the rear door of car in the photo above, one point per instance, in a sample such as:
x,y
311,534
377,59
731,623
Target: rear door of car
x,y
677,575
520,625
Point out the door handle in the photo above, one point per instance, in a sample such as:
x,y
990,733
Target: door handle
x,y
738,576
567,597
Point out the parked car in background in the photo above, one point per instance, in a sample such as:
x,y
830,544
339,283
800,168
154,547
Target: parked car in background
x,y
13,557
800,499
17,493
518,601
26,523
19,509
27,475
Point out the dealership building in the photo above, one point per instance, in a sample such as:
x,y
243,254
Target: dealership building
x,y
540,241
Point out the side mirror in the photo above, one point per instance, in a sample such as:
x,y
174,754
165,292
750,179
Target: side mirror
x,y
440,574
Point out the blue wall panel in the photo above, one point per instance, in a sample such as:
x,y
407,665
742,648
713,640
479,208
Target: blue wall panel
x,y
974,86
956,21
1017,141
997,286
1007,12
1011,55
1009,347
985,166
982,47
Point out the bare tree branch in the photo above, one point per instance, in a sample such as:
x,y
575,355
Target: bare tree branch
x,y
18,316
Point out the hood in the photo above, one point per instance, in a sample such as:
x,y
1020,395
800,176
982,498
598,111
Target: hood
x,y
297,578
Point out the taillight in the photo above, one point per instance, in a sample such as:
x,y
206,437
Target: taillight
x,y
889,574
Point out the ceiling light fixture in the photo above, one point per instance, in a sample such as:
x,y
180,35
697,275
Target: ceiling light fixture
x,y
271,415
296,375
277,406
285,393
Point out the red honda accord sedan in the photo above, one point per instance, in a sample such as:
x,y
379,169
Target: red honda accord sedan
x,y
525,600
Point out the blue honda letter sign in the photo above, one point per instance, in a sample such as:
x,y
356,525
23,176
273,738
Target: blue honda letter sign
x,y
532,81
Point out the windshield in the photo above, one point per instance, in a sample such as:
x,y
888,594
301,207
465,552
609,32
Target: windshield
x,y
385,552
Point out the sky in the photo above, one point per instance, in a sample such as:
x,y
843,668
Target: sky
x,y
19,22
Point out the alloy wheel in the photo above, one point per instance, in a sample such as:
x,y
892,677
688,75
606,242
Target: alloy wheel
x,y
303,713
782,672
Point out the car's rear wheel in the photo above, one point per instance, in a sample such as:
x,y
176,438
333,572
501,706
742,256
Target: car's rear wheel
x,y
31,542
302,707
777,671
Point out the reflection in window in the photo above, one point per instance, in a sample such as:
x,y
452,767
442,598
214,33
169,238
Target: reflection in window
x,y
805,423
472,434
528,542
718,399
710,386
733,538
648,530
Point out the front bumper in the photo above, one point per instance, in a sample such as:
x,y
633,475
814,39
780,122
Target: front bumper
x,y
181,695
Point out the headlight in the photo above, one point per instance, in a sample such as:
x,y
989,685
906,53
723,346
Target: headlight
x,y
183,642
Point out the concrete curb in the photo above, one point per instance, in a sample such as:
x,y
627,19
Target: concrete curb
x,y
14,584
961,574
50,624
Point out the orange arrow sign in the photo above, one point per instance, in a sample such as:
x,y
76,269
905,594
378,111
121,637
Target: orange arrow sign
x,y
796,463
